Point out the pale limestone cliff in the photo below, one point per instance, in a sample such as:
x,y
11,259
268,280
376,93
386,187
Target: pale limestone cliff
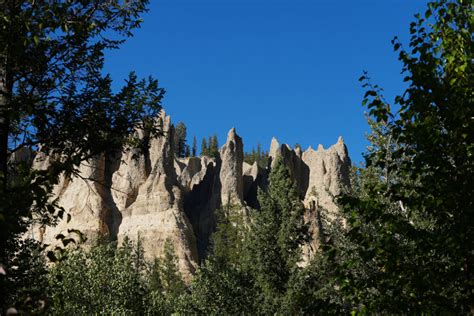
x,y
292,159
320,176
82,199
127,194
232,157
157,213
191,166
328,176
156,197
328,173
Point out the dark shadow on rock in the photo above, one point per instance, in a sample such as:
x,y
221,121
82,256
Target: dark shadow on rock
x,y
200,204
112,216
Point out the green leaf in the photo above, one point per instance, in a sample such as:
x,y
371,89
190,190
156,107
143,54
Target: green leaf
x,y
370,93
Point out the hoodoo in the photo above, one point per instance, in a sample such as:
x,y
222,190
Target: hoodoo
x,y
157,197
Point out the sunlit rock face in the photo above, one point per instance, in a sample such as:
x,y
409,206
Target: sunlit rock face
x,y
231,173
328,176
154,196
157,213
328,173
81,198
320,176
129,194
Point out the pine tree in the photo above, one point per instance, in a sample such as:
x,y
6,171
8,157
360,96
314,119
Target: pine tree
x,y
214,146
253,155
223,284
187,151
165,283
277,232
194,148
209,146
204,148
259,154
180,147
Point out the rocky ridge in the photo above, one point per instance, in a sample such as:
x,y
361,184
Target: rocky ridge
x,y
157,197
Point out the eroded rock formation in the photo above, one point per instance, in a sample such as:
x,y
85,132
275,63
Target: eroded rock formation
x,y
157,197
232,157
157,213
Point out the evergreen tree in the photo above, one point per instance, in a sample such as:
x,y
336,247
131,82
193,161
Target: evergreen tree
x,y
209,146
204,148
223,284
181,149
259,153
214,146
194,148
228,241
259,156
277,232
219,289
171,279
187,151
165,283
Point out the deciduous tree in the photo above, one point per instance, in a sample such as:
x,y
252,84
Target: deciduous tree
x,y
55,98
415,222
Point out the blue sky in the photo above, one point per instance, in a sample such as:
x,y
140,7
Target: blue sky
x,y
283,68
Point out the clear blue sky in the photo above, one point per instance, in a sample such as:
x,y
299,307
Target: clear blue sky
x,y
283,68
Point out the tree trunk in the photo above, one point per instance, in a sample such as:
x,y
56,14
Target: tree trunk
x,y
5,100
5,94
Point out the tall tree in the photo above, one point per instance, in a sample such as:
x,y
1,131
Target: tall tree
x,y
194,148
165,283
204,148
55,97
259,153
259,156
223,284
277,233
209,146
213,146
415,223
180,147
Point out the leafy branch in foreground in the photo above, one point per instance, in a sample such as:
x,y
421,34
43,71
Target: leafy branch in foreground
x,y
56,100
414,222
